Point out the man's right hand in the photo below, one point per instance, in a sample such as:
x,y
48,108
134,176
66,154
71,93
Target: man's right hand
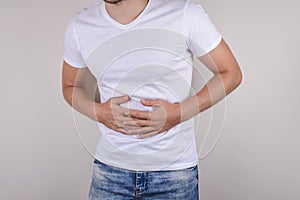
x,y
112,114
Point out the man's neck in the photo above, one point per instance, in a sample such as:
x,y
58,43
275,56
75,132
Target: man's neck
x,y
126,11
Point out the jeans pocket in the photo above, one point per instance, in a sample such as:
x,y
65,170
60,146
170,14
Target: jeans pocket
x,y
97,161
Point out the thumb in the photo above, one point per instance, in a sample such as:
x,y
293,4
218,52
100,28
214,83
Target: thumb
x,y
151,102
120,100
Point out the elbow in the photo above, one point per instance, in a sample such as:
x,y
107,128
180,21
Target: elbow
x,y
65,97
234,79
238,78
64,94
67,94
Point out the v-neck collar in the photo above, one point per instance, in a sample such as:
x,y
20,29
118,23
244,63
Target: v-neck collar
x,y
119,25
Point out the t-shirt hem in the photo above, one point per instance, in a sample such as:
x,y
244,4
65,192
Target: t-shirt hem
x,y
210,47
67,60
150,168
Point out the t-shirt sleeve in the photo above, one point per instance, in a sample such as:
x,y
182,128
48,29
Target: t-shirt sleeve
x,y
201,34
72,54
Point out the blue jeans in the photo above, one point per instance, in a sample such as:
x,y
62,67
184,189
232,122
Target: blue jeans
x,y
113,183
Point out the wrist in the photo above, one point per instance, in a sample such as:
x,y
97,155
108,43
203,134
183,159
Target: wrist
x,y
189,108
93,111
99,107
178,113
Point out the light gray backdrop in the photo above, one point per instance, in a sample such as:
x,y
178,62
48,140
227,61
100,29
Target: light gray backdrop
x,y
257,157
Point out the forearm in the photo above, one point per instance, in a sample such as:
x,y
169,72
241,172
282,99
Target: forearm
x,y
220,85
78,98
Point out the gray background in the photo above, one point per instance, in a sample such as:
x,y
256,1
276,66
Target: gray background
x,y
256,158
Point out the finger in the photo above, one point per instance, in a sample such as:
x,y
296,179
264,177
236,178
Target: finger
x,y
123,130
147,135
127,121
142,130
134,127
137,114
120,100
128,130
132,130
119,111
137,122
151,102
120,122
121,117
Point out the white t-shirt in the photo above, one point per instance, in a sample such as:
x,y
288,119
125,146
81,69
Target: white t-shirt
x,y
151,57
